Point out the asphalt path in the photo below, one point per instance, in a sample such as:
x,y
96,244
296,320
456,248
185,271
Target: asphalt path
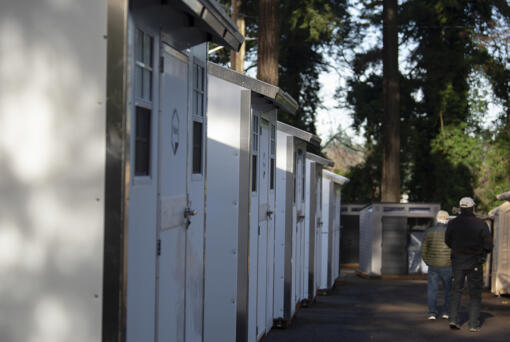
x,y
388,310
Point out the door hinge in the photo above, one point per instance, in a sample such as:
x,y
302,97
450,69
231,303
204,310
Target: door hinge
x,y
159,247
161,64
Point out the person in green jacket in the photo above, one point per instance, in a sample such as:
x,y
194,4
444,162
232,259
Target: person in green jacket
x,y
436,255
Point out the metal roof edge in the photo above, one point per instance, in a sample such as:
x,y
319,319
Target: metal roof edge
x,y
334,177
222,25
319,159
280,98
287,102
299,133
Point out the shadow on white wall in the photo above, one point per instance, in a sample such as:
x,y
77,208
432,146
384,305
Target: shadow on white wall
x,y
52,157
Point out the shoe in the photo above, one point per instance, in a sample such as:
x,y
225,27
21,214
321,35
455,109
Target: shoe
x,y
454,325
474,329
444,316
431,317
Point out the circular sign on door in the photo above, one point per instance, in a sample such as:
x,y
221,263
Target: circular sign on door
x,y
174,131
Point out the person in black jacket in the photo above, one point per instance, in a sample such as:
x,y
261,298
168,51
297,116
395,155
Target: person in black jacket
x,y
470,241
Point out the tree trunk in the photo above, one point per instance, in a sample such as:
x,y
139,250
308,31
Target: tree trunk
x,y
269,37
237,58
390,184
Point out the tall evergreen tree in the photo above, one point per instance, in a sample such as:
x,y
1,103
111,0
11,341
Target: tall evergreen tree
x,y
390,184
237,58
307,30
268,41
440,158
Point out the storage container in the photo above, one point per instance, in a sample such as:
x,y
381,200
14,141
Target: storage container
x,y
385,232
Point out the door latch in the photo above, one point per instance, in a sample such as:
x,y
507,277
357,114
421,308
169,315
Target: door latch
x,y
301,218
269,213
189,212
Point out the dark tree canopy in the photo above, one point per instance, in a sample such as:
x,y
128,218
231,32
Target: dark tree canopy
x,y
444,151
307,30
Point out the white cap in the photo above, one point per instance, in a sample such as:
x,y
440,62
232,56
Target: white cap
x,y
442,216
466,202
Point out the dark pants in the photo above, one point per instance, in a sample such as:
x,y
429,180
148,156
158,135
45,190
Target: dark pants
x,y
436,275
474,277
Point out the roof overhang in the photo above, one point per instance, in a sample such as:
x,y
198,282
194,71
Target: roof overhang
x,y
205,15
223,30
299,133
334,177
319,159
274,94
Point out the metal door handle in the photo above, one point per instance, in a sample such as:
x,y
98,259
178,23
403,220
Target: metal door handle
x,y
269,213
189,212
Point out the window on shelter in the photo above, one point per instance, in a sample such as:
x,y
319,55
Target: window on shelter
x,y
198,113
320,191
272,157
142,141
198,90
294,170
143,65
303,173
197,147
254,173
143,79
254,151
271,180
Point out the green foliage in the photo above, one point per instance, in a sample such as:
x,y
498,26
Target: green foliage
x,y
459,148
457,157
364,179
494,178
445,153
307,28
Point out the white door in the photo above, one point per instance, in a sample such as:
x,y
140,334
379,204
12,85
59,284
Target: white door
x,y
181,207
318,235
300,222
262,265
271,229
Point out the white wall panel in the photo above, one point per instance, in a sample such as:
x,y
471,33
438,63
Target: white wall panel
x,y
222,206
52,157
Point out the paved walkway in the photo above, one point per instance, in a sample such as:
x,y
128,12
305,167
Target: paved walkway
x,y
388,310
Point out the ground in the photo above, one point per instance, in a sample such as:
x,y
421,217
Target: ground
x,y
388,310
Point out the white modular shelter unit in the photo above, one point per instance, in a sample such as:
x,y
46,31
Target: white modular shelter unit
x,y
83,104
500,270
385,231
290,219
313,222
241,165
329,267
